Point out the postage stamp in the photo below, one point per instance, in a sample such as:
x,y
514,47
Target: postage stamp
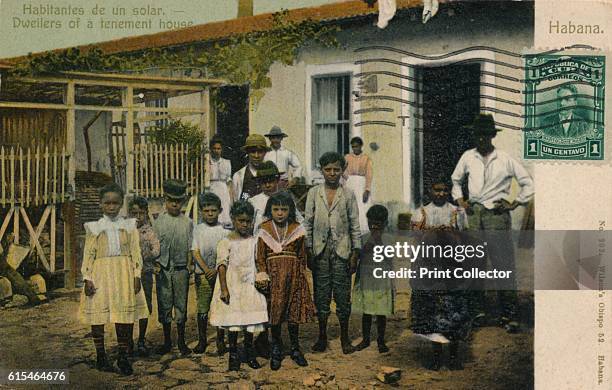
x,y
564,107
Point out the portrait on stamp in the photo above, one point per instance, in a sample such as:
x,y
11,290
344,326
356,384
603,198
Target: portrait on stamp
x,y
564,113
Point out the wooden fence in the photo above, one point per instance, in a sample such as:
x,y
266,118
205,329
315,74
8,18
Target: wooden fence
x,y
33,176
155,163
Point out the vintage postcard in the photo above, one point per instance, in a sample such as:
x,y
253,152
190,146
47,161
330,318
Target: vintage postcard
x,y
336,194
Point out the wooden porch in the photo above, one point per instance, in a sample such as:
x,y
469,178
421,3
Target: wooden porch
x,y
39,154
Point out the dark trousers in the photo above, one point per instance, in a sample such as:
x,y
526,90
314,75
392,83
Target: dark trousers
x,y
172,289
332,278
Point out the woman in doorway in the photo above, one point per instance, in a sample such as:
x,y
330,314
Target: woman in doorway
x,y
358,176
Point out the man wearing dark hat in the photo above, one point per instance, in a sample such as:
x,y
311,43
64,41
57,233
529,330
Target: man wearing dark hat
x,y
175,232
284,159
244,182
490,172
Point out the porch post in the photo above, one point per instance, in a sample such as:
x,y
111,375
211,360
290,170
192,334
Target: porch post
x,y
128,103
69,101
68,209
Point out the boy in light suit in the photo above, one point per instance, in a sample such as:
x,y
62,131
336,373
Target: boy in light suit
x,y
333,241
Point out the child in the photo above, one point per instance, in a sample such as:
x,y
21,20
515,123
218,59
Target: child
x,y
281,265
221,178
358,175
439,312
374,296
149,249
268,178
206,236
333,240
236,304
175,232
112,266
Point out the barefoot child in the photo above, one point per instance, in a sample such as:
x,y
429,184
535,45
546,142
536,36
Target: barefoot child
x,y
206,237
374,296
175,231
281,265
149,249
236,304
112,266
439,312
333,241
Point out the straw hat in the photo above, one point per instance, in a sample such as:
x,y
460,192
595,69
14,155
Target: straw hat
x,y
255,141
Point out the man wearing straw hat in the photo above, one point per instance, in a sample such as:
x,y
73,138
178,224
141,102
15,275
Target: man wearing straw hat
x,y
282,157
490,172
244,181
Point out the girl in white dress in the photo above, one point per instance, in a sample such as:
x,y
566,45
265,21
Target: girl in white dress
x,y
112,266
236,304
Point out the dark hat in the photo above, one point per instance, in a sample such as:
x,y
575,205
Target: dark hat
x,y
276,131
267,169
255,141
175,189
483,125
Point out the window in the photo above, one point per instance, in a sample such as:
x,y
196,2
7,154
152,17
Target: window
x,y
331,115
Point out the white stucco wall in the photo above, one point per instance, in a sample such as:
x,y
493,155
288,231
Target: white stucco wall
x,y
286,103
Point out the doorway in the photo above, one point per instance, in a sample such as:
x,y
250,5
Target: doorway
x,y
233,122
448,99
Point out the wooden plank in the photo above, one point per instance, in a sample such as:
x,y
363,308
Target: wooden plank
x,y
34,241
43,220
3,183
165,162
127,100
82,107
69,99
5,223
52,237
12,175
28,178
146,170
63,171
45,178
54,180
189,206
21,181
16,226
122,80
37,158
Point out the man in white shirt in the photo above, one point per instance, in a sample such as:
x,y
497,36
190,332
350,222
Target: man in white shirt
x,y
286,161
490,172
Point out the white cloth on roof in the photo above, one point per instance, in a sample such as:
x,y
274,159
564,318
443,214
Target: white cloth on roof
x,y
386,11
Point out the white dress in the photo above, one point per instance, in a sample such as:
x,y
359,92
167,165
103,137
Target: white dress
x,y
247,308
111,261
220,176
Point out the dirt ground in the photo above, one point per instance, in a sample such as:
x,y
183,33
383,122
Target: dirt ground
x,y
49,336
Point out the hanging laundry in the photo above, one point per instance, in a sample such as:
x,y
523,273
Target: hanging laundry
x,y
430,9
386,11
